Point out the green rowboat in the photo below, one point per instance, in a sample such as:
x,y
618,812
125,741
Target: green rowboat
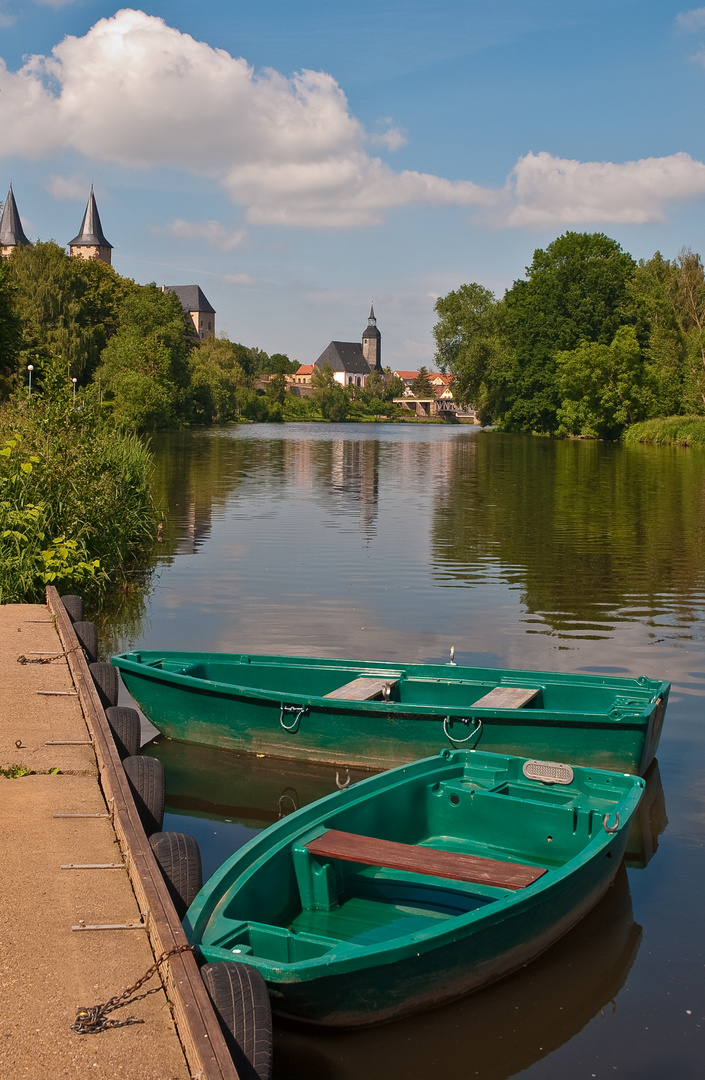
x,y
417,885
377,715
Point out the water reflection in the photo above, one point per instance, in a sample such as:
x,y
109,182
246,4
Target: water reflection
x,y
495,1033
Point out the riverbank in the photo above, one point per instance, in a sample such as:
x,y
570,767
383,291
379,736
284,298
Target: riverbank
x,y
672,431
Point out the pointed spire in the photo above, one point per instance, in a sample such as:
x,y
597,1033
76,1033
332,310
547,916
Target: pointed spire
x,y
11,232
91,234
371,321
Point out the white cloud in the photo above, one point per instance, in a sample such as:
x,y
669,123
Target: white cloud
x,y
139,93
691,20
67,187
212,232
393,138
239,279
545,191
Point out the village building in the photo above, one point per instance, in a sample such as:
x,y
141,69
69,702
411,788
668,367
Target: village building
x,y
195,304
11,232
90,242
352,361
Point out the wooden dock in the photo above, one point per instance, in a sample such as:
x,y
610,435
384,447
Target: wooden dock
x,y
75,855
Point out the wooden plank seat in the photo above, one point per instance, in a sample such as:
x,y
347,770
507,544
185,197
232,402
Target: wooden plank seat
x,y
363,688
423,860
506,697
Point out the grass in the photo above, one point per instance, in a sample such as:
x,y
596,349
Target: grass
x,y
671,431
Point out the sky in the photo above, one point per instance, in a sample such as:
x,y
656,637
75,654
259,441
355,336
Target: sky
x,y
299,159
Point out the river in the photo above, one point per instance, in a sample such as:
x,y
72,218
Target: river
x,y
397,542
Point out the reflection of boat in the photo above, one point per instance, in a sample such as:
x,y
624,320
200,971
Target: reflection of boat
x,y
648,822
416,885
503,1029
377,715
202,781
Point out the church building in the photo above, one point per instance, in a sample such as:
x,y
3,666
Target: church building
x,y
353,361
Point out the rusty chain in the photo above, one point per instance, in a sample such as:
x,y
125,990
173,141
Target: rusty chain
x,y
94,1019
47,659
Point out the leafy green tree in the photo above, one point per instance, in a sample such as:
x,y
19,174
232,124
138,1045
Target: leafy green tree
x,y
395,385
422,386
471,341
68,307
690,305
10,339
574,291
144,369
653,309
217,380
329,395
603,388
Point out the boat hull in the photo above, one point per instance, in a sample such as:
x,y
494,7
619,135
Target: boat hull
x,y
607,722
368,944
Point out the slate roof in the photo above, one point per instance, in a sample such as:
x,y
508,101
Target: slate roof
x,y
11,231
191,297
91,234
344,356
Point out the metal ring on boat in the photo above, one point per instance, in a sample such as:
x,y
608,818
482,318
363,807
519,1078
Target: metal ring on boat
x,y
462,720
300,710
614,827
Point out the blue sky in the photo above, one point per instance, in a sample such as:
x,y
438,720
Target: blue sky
x,y
298,159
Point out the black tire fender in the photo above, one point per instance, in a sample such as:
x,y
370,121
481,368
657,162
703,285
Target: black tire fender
x,y
146,777
240,998
180,863
74,607
87,634
126,728
105,677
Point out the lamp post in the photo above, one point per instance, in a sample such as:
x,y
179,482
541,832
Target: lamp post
x,y
74,381
30,369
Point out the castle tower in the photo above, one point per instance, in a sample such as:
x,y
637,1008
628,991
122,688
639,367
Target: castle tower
x,y
372,343
90,242
11,231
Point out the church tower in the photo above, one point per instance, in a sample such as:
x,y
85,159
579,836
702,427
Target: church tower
x,y
11,231
372,343
90,242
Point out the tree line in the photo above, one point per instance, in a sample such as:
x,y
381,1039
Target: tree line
x,y
587,344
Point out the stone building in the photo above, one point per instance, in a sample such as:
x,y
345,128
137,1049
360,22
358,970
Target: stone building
x,y
90,242
195,303
11,232
352,361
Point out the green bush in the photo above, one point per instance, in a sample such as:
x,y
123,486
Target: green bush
x,y
672,431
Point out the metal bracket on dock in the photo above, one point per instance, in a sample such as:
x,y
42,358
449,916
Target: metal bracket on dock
x,y
69,742
82,815
111,926
58,693
94,866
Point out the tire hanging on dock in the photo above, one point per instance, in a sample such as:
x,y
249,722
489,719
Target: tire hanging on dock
x,y
180,863
87,634
126,728
146,777
74,607
105,677
240,998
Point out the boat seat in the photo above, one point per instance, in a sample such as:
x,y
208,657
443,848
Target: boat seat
x,y
363,688
417,859
506,697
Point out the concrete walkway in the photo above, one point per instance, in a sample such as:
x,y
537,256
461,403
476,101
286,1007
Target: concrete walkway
x,y
47,970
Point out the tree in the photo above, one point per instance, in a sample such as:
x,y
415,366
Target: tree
x,y
603,388
575,291
471,342
422,386
690,306
68,307
217,381
329,395
10,339
395,385
144,367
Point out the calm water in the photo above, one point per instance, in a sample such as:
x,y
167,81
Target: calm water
x,y
397,542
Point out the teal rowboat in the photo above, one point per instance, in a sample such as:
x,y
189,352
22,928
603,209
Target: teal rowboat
x,y
417,885
376,715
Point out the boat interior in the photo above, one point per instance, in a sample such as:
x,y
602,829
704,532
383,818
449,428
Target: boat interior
x,y
445,686
405,860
